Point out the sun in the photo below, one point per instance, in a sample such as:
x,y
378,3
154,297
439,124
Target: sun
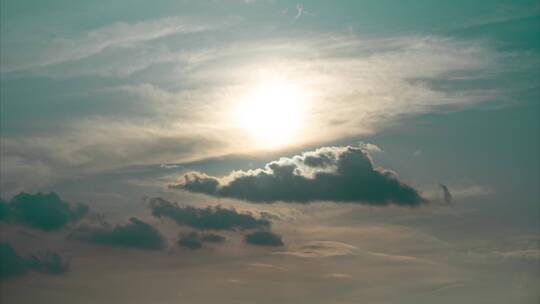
x,y
271,113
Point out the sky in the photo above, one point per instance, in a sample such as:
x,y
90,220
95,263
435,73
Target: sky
x,y
267,151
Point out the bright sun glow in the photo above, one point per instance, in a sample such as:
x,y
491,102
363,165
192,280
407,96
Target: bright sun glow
x,y
272,113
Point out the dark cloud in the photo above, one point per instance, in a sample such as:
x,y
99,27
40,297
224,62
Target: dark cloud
x,y
340,174
190,240
263,238
136,233
44,211
12,264
446,194
4,210
213,218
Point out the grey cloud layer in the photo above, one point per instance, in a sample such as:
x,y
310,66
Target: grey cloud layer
x,y
340,174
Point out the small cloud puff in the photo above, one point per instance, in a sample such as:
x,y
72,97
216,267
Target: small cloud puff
x,y
263,238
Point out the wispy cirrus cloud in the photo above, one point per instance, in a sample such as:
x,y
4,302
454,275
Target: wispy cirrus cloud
x,y
119,34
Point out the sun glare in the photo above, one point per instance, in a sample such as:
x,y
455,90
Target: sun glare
x,y
272,113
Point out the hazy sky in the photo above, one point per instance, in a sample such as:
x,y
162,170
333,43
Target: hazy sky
x,y
360,151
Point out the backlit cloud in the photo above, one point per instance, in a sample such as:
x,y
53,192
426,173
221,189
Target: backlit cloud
x,y
339,174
